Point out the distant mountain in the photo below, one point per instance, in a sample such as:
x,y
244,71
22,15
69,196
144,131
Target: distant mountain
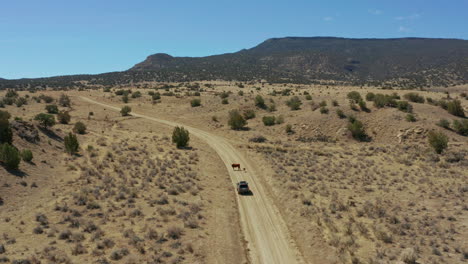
x,y
404,62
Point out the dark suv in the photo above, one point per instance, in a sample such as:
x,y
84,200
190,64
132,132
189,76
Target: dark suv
x,y
243,187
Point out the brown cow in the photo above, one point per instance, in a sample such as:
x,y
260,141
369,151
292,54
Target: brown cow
x,y
236,165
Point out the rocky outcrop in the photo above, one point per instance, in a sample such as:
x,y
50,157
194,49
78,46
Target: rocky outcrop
x,y
25,130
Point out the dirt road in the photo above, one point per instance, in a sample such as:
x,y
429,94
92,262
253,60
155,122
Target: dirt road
x,y
263,227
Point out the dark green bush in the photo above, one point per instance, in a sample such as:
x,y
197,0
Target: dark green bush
x,y
249,114
404,106
195,102
324,110
370,96
294,103
20,101
136,94
71,144
126,110
6,134
52,109
225,101
357,130
63,117
289,129
308,97
335,103
64,100
414,97
438,141
269,120
444,123
362,104
180,136
354,96
455,108
461,127
125,98
26,155
46,120
9,156
410,118
340,114
236,121
260,102
224,95
79,128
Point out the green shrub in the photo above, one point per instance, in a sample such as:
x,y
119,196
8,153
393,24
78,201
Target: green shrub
x,y
354,96
410,118
280,119
362,104
381,100
431,101
272,108
225,101
240,93
438,141
126,110
404,106
27,155
71,144
461,127
20,101
357,130
125,98
224,95
294,103
156,96
4,115
236,121
136,94
370,96
46,120
335,103
260,102
443,104
323,110
289,129
323,104
269,120
455,108
11,94
308,97
63,117
249,114
52,109
6,134
414,97
340,114
79,128
195,102
9,156
180,136
64,100
444,123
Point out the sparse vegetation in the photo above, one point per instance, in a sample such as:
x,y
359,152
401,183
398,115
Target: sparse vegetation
x,y
52,109
63,117
249,114
64,100
27,155
260,102
455,108
414,97
9,156
269,120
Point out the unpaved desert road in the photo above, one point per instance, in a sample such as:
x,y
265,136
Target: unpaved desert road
x,y
264,229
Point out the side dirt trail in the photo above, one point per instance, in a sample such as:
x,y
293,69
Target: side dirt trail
x,y
263,227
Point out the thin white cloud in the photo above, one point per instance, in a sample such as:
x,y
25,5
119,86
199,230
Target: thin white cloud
x,y
328,18
410,17
375,11
404,29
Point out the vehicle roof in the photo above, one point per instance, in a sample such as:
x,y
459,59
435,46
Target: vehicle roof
x,y
242,182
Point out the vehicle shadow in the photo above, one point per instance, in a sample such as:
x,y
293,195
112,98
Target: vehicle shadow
x,y
249,193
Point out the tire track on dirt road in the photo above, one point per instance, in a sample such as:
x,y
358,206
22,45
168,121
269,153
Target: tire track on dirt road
x,y
264,229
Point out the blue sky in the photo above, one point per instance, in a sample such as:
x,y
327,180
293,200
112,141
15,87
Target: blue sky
x,y
51,37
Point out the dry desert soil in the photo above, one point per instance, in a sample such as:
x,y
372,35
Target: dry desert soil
x,y
318,194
